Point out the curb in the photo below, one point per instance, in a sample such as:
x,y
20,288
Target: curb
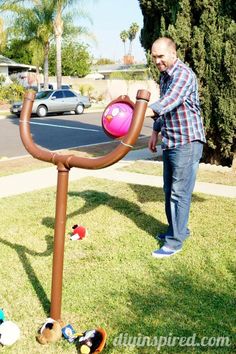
x,y
5,114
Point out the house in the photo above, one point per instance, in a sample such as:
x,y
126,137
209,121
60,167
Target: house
x,y
105,71
26,74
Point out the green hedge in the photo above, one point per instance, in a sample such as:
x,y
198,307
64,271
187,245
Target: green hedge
x,y
12,92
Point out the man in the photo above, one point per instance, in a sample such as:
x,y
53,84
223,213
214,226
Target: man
x,y
177,115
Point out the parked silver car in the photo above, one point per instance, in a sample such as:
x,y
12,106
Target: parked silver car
x,y
57,101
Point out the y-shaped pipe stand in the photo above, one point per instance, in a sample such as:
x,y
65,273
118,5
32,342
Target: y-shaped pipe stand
x,y
64,163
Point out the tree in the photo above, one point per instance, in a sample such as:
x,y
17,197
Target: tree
x,y
205,35
3,35
3,32
18,52
33,29
75,59
60,7
124,36
40,21
132,31
58,31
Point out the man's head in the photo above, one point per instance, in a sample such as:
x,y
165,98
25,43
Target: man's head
x,y
164,53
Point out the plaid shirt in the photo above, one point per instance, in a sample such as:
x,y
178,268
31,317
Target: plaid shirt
x,y
178,108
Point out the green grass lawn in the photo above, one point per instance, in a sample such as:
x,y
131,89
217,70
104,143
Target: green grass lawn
x,y
156,169
110,278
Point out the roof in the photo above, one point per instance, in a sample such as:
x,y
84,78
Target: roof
x,y
109,68
95,76
4,61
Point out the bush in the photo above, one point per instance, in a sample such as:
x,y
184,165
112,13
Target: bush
x,y
12,92
86,90
104,61
2,79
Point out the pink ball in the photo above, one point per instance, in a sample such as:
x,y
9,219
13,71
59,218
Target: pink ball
x,y
117,118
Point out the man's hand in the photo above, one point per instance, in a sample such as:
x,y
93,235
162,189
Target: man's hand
x,y
153,141
150,113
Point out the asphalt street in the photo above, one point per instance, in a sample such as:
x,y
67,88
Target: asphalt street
x,y
56,132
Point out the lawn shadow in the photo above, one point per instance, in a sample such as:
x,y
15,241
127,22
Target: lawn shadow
x,y
22,253
131,210
94,199
49,222
154,194
178,308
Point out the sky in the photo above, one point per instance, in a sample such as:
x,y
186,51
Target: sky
x,y
110,18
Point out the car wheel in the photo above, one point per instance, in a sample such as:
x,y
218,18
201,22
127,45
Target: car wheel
x,y
79,109
42,111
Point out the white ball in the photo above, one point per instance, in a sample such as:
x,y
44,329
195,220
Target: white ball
x,y
9,333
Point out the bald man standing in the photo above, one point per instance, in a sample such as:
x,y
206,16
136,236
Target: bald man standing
x,y
177,116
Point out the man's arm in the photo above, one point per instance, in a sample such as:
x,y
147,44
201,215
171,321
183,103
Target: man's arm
x,y
157,125
152,143
175,94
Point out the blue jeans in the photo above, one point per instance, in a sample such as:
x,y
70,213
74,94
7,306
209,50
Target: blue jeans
x,y
180,170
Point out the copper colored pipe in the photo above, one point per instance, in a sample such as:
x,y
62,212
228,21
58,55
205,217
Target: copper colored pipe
x,y
59,243
69,161
64,163
31,147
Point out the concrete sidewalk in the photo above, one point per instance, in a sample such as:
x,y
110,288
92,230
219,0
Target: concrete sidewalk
x,y
47,177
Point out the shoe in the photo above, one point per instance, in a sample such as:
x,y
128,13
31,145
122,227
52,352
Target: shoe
x,y
164,252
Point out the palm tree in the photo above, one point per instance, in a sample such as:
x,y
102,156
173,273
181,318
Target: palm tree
x,y
58,31
38,30
132,34
3,35
37,58
124,36
33,25
41,22
61,7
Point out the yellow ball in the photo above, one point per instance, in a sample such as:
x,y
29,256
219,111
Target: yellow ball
x,y
84,349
